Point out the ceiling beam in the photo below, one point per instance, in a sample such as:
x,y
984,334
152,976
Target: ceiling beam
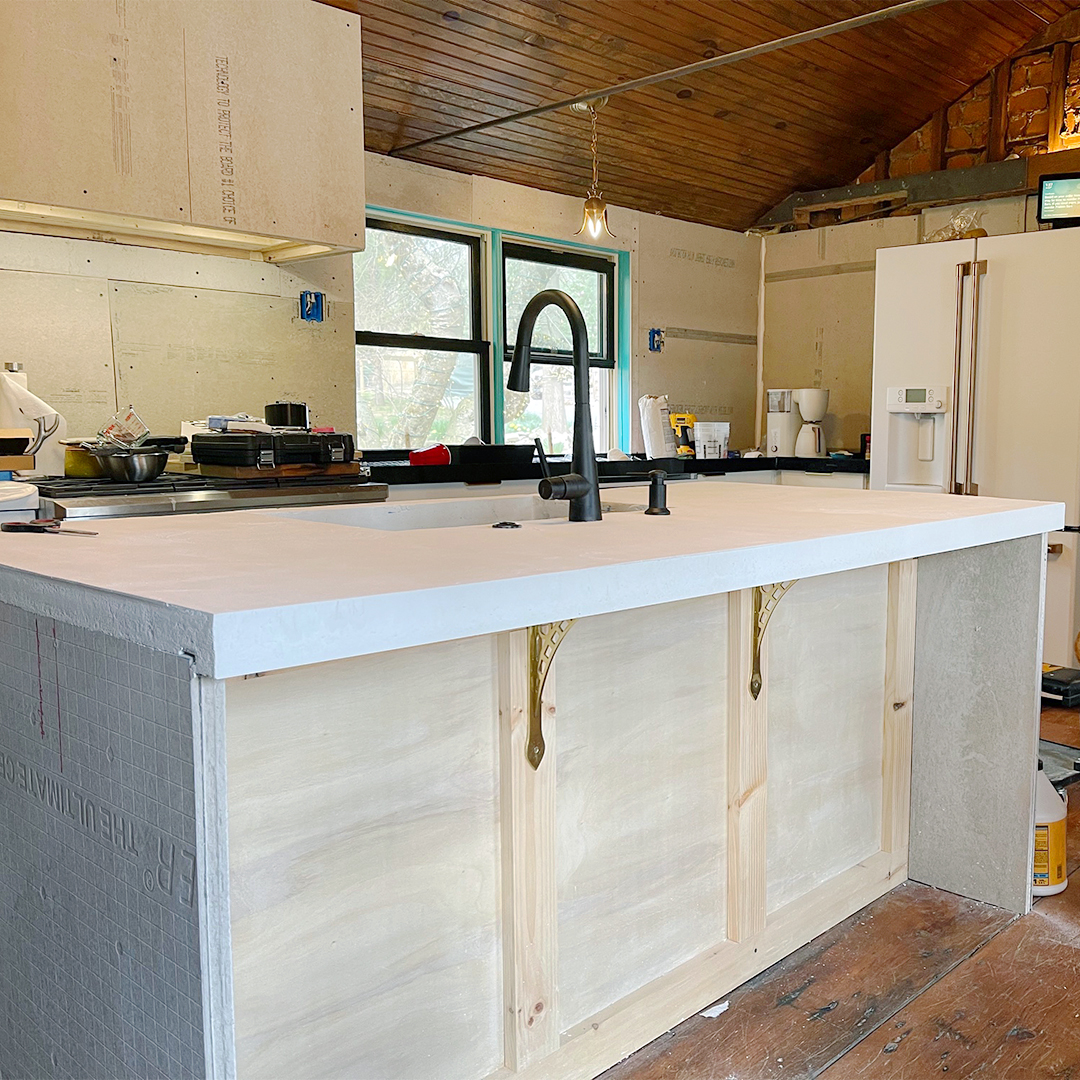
x,y
681,72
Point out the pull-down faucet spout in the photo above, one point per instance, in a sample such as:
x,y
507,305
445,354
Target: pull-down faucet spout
x,y
581,486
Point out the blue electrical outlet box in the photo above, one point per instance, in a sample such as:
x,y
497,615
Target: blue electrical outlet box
x,y
312,306
656,340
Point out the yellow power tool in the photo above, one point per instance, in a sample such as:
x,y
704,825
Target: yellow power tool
x,y
683,425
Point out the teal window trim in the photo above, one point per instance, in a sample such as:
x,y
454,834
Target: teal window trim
x,y
622,361
498,391
494,283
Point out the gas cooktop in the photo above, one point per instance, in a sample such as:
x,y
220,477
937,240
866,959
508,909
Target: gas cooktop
x,y
185,493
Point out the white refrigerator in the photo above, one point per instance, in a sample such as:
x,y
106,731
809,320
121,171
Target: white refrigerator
x,y
976,387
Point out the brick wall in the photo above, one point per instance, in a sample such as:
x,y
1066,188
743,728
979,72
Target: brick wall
x,y
968,124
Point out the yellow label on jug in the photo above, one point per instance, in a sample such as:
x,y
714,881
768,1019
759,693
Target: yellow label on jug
x,y
1049,854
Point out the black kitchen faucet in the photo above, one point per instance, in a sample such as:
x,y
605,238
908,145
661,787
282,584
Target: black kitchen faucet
x,y
581,486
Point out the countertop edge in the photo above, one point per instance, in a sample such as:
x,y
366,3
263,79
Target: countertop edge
x,y
142,621
334,630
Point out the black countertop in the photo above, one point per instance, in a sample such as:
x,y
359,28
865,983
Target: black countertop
x,y
388,467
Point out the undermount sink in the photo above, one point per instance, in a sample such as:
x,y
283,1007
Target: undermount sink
x,y
447,513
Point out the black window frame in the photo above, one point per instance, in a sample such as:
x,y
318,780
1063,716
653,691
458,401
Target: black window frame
x,y
605,267
476,344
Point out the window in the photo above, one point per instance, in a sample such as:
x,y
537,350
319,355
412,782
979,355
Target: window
x,y
547,411
422,368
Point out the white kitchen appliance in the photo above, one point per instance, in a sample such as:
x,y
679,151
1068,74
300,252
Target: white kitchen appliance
x,y
813,405
18,502
984,328
782,423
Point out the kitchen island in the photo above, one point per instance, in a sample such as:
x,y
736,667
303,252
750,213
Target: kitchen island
x,y
383,792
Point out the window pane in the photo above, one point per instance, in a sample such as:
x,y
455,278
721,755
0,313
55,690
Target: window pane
x,y
525,279
413,397
547,410
407,284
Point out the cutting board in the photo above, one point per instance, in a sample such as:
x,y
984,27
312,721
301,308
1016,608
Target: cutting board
x,y
250,472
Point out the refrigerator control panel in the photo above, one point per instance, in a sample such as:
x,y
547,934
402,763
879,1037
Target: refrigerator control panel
x,y
918,399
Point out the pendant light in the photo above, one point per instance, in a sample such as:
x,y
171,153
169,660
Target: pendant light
x,y
594,219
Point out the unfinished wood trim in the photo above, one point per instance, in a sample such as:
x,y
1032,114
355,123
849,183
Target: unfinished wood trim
x,y
747,774
937,141
1058,77
999,108
899,689
609,1036
527,822
212,853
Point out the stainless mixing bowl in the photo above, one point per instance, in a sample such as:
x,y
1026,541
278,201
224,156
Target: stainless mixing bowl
x,y
132,466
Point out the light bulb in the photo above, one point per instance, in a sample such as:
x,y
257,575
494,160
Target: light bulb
x,y
594,221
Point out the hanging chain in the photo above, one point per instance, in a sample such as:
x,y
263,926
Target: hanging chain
x,y
592,146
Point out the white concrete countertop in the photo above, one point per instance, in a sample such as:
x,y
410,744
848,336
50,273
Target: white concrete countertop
x,y
248,591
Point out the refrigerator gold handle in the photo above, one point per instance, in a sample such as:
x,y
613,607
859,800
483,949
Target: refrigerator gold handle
x,y
978,269
962,271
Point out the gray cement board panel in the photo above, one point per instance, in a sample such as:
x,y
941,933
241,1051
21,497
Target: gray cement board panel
x,y
977,645
99,928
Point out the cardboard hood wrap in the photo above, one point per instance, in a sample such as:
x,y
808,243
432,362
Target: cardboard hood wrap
x,y
221,126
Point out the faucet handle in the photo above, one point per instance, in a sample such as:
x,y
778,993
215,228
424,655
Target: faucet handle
x,y
544,468
567,486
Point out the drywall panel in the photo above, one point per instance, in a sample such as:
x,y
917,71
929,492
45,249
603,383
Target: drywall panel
x,y
279,156
713,380
836,244
700,285
696,276
998,217
975,720
363,844
94,111
826,672
819,331
185,353
819,316
640,803
418,189
57,327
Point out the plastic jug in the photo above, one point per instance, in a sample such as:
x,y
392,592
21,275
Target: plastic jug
x,y
1048,871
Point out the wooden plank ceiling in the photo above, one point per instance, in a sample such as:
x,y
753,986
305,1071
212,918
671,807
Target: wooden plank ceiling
x,y
720,147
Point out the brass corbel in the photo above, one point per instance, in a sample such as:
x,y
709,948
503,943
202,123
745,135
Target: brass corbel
x,y
766,597
544,640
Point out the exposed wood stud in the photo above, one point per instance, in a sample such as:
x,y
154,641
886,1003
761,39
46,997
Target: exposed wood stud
x,y
527,824
999,99
747,770
937,140
1059,75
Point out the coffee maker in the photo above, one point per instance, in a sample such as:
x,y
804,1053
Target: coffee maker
x,y
813,405
782,423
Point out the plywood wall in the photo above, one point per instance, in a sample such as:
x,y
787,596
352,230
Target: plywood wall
x,y
100,326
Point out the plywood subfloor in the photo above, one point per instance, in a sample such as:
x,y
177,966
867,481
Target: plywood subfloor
x,y
921,983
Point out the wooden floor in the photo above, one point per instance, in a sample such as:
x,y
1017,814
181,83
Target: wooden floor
x,y
921,983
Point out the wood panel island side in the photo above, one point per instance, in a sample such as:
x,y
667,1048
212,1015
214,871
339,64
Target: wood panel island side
x,y
384,793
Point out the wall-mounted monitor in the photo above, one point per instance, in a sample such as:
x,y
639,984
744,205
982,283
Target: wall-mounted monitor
x,y
1059,199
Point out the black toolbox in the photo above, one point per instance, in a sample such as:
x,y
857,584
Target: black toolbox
x,y
268,450
1062,685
